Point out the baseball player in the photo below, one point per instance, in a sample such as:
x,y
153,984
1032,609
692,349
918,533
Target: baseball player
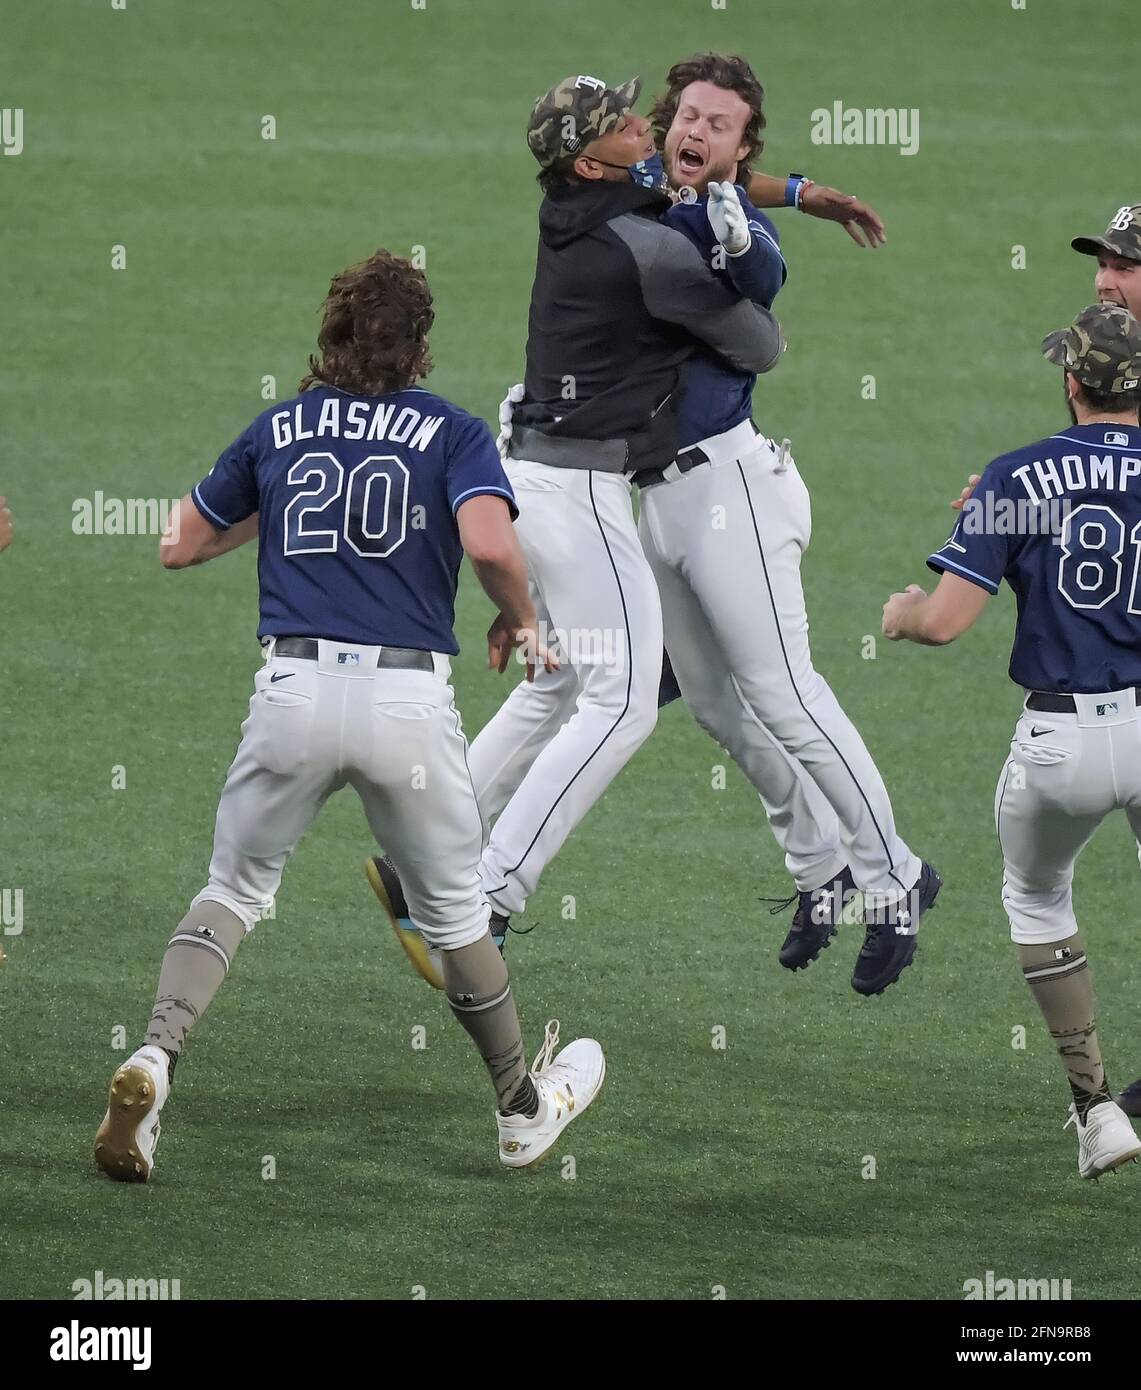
x,y
1118,281
363,491
724,527
1060,521
619,303
714,415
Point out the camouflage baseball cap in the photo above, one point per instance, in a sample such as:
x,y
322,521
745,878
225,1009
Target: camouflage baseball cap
x,y
1102,348
575,112
1122,236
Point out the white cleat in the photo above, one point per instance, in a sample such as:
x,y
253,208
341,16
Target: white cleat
x,y
1105,1141
566,1086
125,1144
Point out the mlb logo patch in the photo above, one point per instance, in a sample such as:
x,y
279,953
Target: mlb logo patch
x,y
1103,710
1113,437
348,658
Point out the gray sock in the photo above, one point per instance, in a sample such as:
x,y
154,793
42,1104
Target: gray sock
x,y
479,992
196,961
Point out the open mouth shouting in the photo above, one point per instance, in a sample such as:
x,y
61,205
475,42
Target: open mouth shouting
x,y
689,160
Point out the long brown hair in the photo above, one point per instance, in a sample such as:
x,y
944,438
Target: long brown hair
x,y
374,328
723,70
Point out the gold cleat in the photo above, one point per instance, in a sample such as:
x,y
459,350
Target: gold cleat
x,y
386,885
125,1143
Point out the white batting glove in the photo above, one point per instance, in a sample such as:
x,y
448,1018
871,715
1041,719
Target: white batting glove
x,y
506,410
728,219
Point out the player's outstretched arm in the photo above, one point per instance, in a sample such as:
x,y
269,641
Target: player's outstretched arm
x,y
934,619
489,541
189,539
860,220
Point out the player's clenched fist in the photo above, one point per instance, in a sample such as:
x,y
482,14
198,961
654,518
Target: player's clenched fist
x,y
896,609
5,524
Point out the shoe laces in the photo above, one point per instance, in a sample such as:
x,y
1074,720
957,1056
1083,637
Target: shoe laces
x,y
1073,1120
781,903
547,1051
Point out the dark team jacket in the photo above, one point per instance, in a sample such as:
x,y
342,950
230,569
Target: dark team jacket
x,y
620,301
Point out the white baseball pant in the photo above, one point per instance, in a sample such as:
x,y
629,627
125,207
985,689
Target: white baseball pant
x,y
1056,788
541,762
394,736
725,541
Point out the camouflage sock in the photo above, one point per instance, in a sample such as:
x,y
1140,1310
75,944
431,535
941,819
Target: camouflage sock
x,y
196,961
1060,982
479,992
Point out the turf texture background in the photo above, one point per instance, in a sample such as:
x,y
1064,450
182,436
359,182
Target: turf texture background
x,y
743,1168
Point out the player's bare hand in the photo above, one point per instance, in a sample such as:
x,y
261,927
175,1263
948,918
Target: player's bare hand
x,y
5,524
503,638
500,642
533,653
896,609
965,495
860,220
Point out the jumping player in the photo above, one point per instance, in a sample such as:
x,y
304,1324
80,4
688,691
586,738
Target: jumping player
x,y
363,491
727,520
748,675
1060,521
618,303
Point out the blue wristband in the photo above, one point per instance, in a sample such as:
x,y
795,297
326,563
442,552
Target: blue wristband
x,y
792,188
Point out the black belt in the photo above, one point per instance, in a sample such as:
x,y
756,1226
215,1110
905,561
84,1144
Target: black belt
x,y
691,458
1064,704
388,659
688,459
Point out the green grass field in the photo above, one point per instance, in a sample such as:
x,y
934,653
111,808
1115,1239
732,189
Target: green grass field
x,y
739,1168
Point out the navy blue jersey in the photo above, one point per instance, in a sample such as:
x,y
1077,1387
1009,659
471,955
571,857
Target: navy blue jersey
x,y
1060,521
715,396
356,495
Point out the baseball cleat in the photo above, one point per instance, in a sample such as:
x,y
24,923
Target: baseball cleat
x,y
386,885
1130,1099
426,960
566,1086
818,914
890,935
125,1143
1105,1141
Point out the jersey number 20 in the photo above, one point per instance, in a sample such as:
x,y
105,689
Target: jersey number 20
x,y
1091,569
375,506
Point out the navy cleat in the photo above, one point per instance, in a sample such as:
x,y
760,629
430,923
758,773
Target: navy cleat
x,y
818,914
890,935
425,959
1130,1099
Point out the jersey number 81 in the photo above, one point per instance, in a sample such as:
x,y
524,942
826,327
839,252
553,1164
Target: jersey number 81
x,y
1090,571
